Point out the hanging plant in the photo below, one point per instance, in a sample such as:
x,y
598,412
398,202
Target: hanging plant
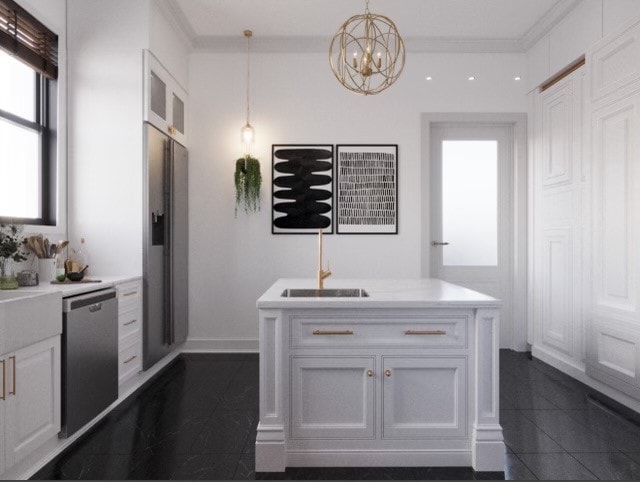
x,y
248,180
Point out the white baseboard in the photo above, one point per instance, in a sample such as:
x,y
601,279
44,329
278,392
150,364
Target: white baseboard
x,y
378,458
578,372
212,345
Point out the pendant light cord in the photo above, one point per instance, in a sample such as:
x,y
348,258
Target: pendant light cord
x,y
248,34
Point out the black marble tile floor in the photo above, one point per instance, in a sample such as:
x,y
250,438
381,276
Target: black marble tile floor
x,y
198,419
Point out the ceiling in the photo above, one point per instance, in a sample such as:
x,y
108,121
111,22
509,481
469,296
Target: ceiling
x,y
489,25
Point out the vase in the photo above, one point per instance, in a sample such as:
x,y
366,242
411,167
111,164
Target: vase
x,y
8,282
8,279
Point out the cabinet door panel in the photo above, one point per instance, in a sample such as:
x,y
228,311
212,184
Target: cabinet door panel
x,y
3,405
424,397
33,413
332,397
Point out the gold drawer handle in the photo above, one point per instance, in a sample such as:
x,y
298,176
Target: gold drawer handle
x,y
4,379
425,332
130,359
130,322
14,375
369,373
333,332
130,293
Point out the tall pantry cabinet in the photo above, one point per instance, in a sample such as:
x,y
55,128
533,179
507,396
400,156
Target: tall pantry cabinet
x,y
585,259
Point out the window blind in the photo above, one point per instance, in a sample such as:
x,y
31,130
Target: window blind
x,y
23,36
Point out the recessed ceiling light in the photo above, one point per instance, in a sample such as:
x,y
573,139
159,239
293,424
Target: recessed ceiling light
x,y
472,77
429,77
517,78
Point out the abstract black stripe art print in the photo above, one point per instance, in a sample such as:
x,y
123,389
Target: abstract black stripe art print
x,y
302,189
367,189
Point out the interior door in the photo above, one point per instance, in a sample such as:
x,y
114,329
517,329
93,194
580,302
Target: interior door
x,y
471,210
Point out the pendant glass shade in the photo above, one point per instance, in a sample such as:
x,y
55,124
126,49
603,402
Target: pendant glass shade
x,y
367,53
247,134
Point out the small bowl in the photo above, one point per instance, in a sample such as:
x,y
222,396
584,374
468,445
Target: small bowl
x,y
75,276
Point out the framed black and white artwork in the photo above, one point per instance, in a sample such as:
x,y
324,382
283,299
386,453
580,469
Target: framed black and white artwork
x,y
302,189
367,189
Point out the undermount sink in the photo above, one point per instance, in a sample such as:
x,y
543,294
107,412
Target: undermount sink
x,y
27,317
325,293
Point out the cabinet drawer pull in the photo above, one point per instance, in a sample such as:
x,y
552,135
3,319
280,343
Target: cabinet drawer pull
x,y
333,332
130,322
369,373
130,359
425,332
130,293
4,379
14,374
387,373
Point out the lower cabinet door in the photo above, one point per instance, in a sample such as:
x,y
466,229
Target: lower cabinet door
x,y
424,397
33,405
333,397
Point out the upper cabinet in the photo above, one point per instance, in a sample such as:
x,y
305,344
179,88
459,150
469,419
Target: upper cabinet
x,y
614,64
165,100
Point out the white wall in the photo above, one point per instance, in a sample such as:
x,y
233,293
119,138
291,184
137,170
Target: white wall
x,y
587,23
296,99
106,149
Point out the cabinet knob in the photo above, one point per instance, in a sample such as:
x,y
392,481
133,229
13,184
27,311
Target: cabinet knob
x,y
369,373
387,373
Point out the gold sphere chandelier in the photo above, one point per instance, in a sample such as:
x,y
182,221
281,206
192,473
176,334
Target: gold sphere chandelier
x,y
367,53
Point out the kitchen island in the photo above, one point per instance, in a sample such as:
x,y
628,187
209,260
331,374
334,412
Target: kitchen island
x,y
402,373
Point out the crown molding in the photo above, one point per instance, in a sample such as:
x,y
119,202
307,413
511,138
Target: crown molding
x,y
237,44
549,20
178,20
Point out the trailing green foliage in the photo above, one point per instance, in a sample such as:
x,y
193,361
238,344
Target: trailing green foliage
x,y
248,180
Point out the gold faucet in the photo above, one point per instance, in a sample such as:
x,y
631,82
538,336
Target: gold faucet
x,y
322,274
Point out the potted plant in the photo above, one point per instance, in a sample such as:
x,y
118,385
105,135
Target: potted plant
x,y
10,241
248,180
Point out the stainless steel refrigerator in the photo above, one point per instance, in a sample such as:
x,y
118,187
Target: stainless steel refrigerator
x,y
165,251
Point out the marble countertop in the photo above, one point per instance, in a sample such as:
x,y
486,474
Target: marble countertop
x,y
404,293
80,288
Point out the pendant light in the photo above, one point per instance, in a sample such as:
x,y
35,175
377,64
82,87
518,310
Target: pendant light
x,y
367,53
247,133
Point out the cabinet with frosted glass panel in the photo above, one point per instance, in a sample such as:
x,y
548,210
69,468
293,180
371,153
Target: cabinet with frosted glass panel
x,y
165,100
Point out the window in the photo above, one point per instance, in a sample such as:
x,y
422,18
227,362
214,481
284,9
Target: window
x,y
27,118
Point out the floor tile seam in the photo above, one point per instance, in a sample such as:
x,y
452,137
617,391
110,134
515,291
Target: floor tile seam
x,y
583,466
526,466
594,434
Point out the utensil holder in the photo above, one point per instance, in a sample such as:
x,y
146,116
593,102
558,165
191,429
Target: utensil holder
x,y
46,269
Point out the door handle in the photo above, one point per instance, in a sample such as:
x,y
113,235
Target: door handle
x,y
4,379
439,243
96,307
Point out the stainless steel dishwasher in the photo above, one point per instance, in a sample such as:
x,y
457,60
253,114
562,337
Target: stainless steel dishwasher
x,y
89,357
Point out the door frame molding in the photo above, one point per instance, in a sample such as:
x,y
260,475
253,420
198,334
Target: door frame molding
x,y
519,193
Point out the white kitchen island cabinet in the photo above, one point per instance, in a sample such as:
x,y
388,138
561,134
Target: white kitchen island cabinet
x,y
406,376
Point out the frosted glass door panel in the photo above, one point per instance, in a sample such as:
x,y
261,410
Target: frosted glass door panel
x,y
470,203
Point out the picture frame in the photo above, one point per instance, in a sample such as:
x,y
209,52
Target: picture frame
x,y
366,189
302,188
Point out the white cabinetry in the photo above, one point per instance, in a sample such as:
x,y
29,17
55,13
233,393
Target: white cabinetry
x,y
129,330
558,220
165,100
424,397
376,387
332,397
30,411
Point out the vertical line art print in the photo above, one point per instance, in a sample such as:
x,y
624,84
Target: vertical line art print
x,y
367,189
302,189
